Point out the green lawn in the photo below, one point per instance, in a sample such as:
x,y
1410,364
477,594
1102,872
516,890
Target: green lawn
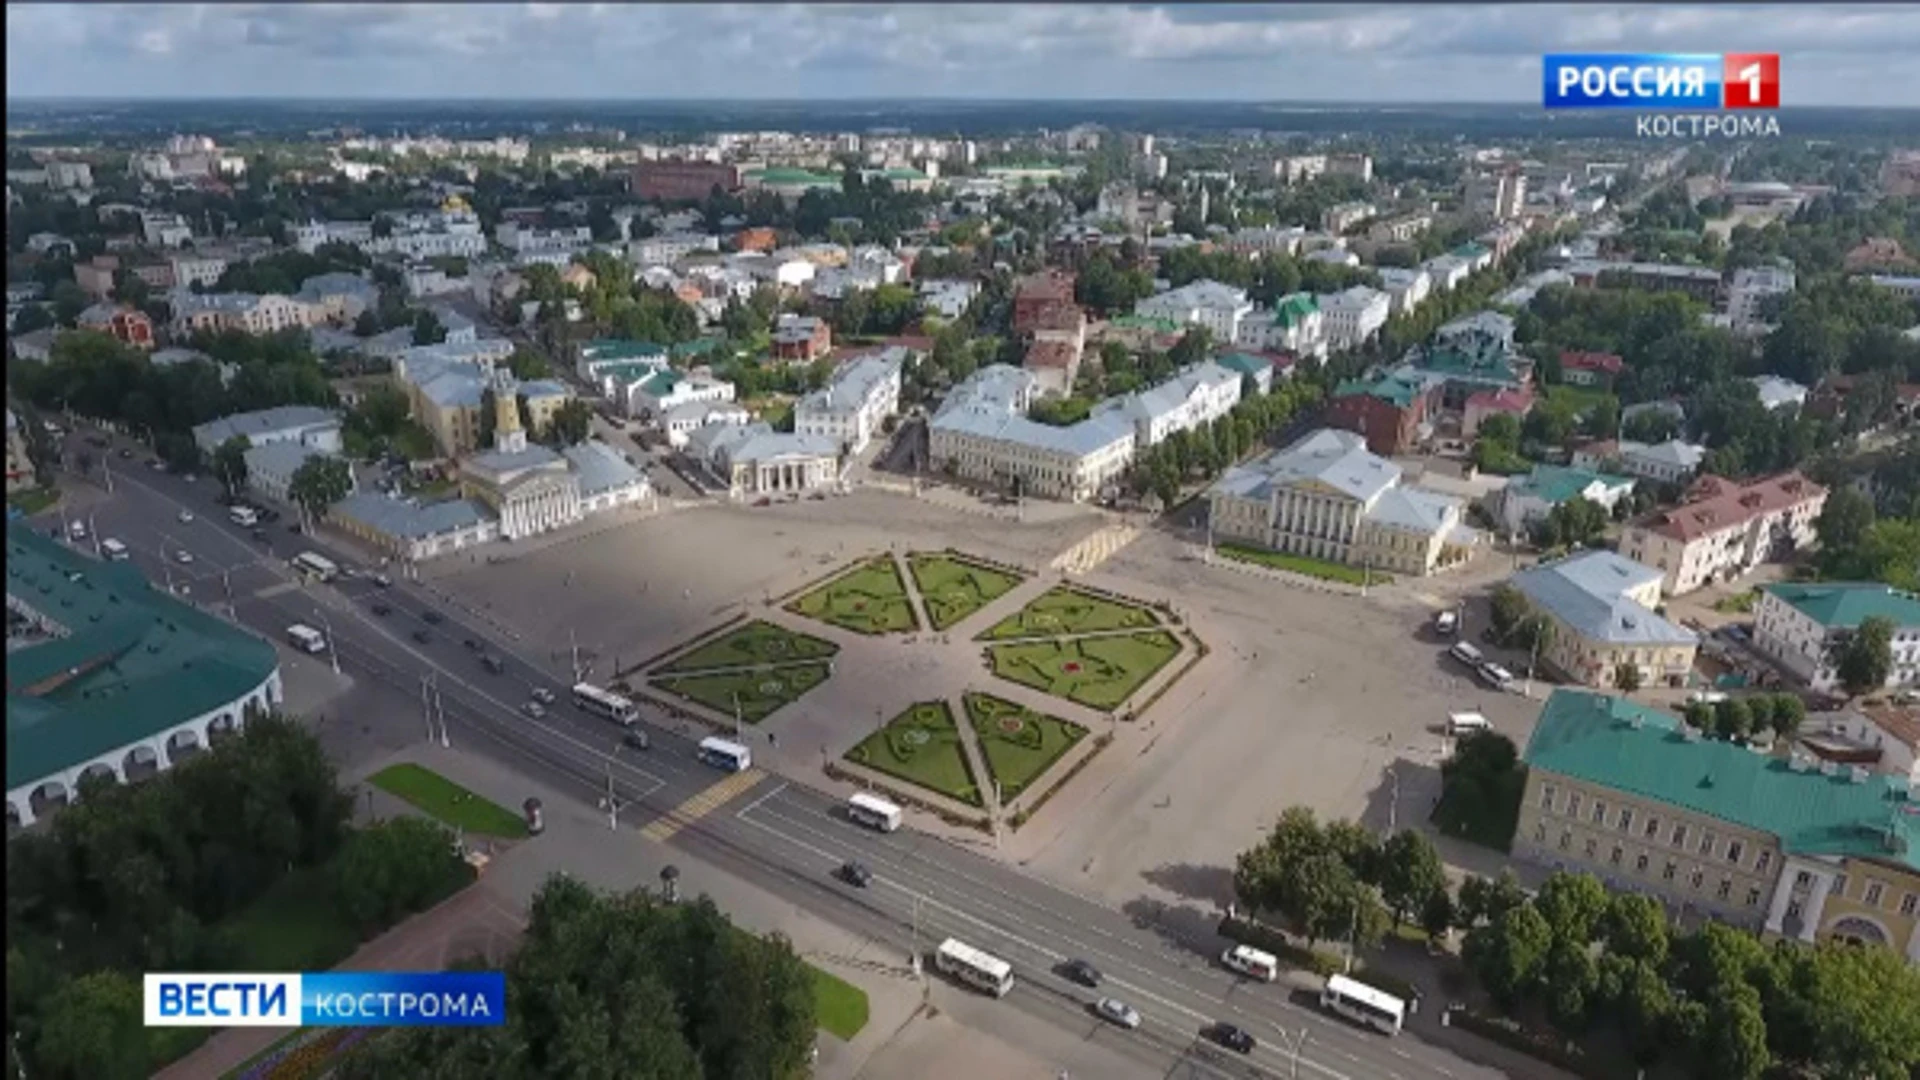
x,y
761,691
952,589
839,1007
1581,399
1099,673
758,642
921,746
452,804
1066,610
870,599
1019,744
1301,564
33,500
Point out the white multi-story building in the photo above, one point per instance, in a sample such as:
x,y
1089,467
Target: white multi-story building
x,y
855,402
1267,239
1447,271
198,269
948,299
1752,292
1406,289
248,312
1803,626
753,459
1354,316
1725,529
1907,287
165,230
1193,397
981,433
1327,497
1294,324
1340,218
669,248
1210,304
1670,462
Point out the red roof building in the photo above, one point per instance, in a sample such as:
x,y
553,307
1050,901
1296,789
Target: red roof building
x,y
1509,401
1590,368
1035,295
1723,529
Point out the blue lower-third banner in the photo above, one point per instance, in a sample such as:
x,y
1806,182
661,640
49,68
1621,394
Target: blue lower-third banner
x,y
327,999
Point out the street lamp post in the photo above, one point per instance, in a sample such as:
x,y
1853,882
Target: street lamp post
x,y
737,736
1393,804
333,647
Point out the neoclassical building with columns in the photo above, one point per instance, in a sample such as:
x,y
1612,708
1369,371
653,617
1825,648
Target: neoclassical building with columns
x,y
108,676
532,489
1785,846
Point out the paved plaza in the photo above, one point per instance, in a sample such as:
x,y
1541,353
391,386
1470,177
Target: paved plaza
x,y
1302,696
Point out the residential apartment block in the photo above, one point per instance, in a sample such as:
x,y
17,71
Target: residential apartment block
x,y
1724,529
1802,627
1327,497
245,312
1354,316
1295,324
1782,846
1216,307
1601,607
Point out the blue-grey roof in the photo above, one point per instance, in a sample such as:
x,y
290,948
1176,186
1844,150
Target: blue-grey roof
x,y
759,442
1588,592
850,386
1413,509
452,320
279,458
455,386
1338,459
395,517
600,467
535,389
264,422
532,456
1159,400
320,286
986,405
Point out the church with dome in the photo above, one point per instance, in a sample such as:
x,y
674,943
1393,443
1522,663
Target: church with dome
x,y
531,489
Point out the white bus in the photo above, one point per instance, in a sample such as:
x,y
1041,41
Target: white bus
x,y
722,754
973,967
244,516
306,638
1356,1000
590,698
309,563
873,812
113,549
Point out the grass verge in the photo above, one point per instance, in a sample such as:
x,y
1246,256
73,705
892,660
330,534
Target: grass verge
x,y
447,801
1301,564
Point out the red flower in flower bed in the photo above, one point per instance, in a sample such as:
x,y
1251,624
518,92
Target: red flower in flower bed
x,y
1071,667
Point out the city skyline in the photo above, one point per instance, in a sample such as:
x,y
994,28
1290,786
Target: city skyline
x,y
1843,55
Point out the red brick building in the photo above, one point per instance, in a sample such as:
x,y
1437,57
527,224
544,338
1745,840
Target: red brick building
x,y
801,339
1038,294
130,326
682,180
1387,414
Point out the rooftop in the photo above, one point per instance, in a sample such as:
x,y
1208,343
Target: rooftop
x,y
397,517
1717,504
135,663
1631,748
600,467
1845,604
1588,592
1557,483
1337,459
853,384
264,422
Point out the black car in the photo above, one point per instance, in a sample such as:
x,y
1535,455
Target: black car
x,y
1081,972
856,874
269,514
636,740
493,664
473,644
381,609
430,617
422,636
260,535
1231,1037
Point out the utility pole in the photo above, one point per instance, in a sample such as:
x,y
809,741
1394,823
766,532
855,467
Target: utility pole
x,y
439,707
333,647
426,703
1393,804
613,801
737,736
574,639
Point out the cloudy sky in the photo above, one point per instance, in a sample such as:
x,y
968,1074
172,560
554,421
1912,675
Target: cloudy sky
x,y
1831,54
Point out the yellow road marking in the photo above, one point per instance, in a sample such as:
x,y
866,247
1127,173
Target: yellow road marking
x,y
713,798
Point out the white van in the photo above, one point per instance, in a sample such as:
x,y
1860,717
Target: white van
x,y
306,638
1466,723
873,812
1496,676
77,530
1466,654
244,516
1252,963
113,549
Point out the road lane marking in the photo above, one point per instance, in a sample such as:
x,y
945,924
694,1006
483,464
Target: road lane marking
x,y
716,795
1052,955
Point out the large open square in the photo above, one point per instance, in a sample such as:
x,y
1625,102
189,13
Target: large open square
x,y
953,588
757,644
753,694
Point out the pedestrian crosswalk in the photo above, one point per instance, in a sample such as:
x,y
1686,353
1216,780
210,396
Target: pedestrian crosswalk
x,y
1089,553
713,798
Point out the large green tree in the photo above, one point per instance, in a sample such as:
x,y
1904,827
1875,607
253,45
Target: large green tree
x,y
318,483
230,463
1866,658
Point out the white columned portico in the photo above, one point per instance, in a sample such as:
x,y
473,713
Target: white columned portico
x,y
1817,899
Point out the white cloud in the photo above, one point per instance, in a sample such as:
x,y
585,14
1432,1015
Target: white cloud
x,y
1832,54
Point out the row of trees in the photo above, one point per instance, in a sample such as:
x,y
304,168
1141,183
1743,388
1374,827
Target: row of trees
x,y
1750,717
1857,544
1337,881
150,877
624,986
1204,452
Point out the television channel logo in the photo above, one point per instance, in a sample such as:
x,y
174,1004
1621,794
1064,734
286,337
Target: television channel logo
x,y
1691,81
327,999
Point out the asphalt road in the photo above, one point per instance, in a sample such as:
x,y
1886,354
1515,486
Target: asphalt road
x,y
783,836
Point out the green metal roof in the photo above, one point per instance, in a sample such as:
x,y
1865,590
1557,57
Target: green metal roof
x,y
795,176
1844,604
1592,738
1398,391
1558,483
1243,363
696,347
134,664
1294,307
661,382
1144,322
617,349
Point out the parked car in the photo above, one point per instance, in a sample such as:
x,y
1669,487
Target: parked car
x,y
126,454
260,535
1231,1037
855,873
183,557
1115,1011
1496,676
383,581
1081,972
1447,623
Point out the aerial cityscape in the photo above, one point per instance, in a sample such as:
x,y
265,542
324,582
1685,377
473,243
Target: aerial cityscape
x,y
882,542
